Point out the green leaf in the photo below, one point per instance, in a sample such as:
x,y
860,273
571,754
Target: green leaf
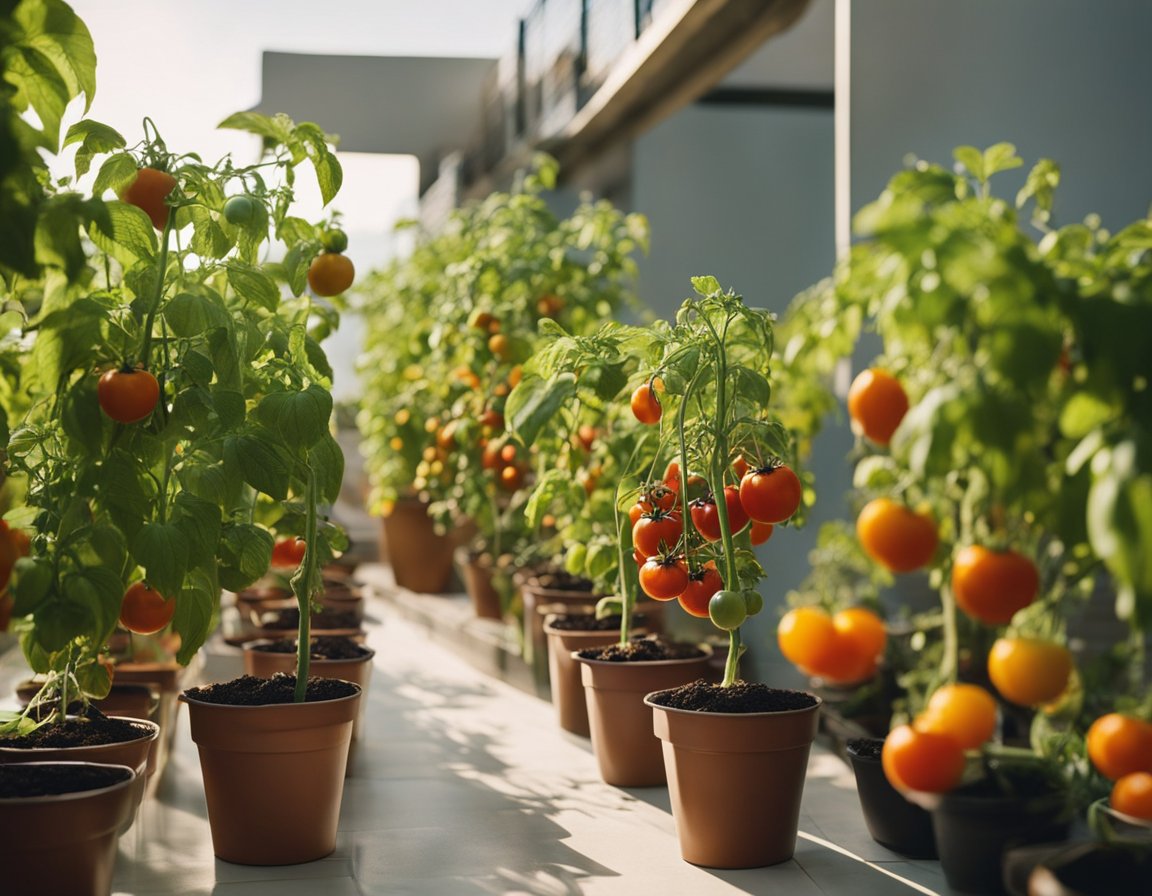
x,y
94,679
52,28
211,482
1000,157
209,239
162,550
230,407
41,85
117,172
199,522
31,583
58,234
195,613
972,159
190,314
278,128
555,485
535,401
301,418
126,233
295,266
706,286
253,285
605,380
245,554
327,462
261,461
98,588
57,621
94,139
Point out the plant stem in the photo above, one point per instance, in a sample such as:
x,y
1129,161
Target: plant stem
x,y
950,664
150,318
302,585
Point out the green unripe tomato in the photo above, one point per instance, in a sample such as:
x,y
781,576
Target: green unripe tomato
x,y
574,559
727,610
240,210
334,241
753,602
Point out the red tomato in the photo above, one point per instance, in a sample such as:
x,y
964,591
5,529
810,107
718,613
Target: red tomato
x,y
144,610
657,532
128,395
771,494
148,192
663,579
288,552
702,584
760,532
645,403
706,517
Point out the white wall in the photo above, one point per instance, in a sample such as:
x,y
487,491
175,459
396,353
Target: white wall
x,y
1065,79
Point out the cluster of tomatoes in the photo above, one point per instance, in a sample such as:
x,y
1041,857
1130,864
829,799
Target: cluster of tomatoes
x,y
672,556
841,648
1120,747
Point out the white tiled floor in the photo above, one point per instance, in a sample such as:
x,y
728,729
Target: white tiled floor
x,y
462,785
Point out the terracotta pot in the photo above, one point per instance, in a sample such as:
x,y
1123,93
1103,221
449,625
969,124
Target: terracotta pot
x,y
273,776
133,701
973,832
564,672
735,782
892,821
627,751
139,755
165,679
67,843
265,664
421,559
538,603
477,578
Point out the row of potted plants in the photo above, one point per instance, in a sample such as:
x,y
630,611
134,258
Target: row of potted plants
x,y
167,418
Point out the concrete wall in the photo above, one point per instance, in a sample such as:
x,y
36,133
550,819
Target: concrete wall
x,y
1065,79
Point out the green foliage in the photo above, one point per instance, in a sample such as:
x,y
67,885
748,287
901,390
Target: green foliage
x,y
243,415
449,333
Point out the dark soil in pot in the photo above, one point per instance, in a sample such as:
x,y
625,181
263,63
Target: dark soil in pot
x,y
892,821
1093,869
323,648
556,579
251,691
87,731
642,650
587,622
326,619
740,697
42,779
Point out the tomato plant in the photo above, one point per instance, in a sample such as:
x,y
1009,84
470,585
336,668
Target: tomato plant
x,y
145,610
964,712
657,532
149,190
646,404
1132,795
702,585
663,578
128,395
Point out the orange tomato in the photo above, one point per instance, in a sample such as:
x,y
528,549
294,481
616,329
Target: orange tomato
x,y
144,610
127,395
288,553
876,403
895,536
645,404
1119,745
330,274
499,345
991,586
806,636
1132,795
863,629
771,494
1028,671
148,192
964,712
921,760
511,478
840,649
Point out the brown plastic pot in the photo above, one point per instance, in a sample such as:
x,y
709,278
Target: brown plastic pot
x,y
538,603
133,701
477,577
421,559
273,776
140,755
165,679
735,781
265,664
67,843
627,751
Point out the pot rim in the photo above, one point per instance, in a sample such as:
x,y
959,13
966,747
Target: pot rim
x,y
183,697
734,715
153,734
72,794
369,652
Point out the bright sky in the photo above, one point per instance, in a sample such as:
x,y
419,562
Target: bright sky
x,y
189,65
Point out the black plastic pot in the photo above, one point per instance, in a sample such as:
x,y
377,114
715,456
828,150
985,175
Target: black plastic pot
x,y
974,830
1093,869
893,822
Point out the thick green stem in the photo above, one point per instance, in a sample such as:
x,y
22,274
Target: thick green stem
x,y
302,585
154,307
950,664
732,664
626,582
